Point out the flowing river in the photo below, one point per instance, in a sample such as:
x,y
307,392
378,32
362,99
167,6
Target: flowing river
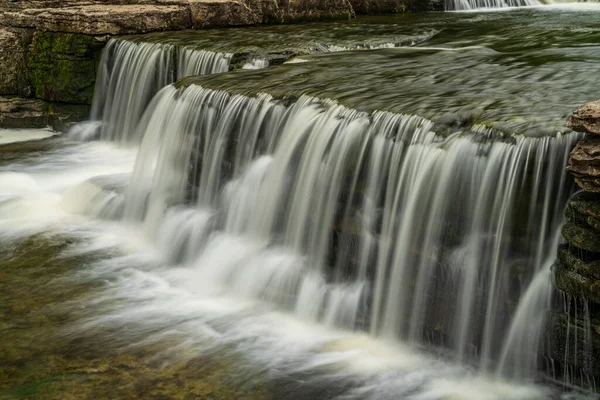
x,y
365,209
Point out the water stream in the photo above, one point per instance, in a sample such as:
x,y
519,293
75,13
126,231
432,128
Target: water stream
x,y
377,221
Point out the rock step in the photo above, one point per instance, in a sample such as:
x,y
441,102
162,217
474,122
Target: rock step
x,y
118,17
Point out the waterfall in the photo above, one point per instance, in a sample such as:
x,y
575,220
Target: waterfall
x,y
463,5
130,74
359,221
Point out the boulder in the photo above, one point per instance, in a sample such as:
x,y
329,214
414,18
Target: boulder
x,y
586,118
584,163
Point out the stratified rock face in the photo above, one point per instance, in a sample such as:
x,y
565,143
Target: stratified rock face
x,y
577,270
16,112
584,162
13,47
100,19
586,118
114,17
219,13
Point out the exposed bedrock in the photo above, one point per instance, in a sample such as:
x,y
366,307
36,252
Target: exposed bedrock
x,y
49,49
574,332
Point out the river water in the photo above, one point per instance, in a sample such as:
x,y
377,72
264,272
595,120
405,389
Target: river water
x,y
359,210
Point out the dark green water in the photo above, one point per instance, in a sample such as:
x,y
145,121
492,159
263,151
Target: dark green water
x,y
522,71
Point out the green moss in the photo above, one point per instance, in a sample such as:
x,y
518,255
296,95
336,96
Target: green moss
x,y
62,67
582,236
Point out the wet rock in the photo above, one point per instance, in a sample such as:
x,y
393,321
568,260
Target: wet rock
x,y
583,204
582,236
62,67
20,113
584,163
576,284
586,118
569,342
16,112
572,262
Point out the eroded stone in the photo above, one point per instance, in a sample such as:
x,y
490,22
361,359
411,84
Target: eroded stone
x,y
584,163
586,118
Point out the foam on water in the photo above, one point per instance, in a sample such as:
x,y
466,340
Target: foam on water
x,y
158,302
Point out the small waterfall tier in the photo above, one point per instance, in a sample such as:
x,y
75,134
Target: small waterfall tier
x,y
130,74
366,221
463,5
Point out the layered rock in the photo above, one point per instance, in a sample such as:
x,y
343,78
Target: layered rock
x,y
584,163
574,332
49,49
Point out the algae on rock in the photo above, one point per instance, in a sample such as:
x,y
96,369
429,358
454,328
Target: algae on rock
x,y
62,67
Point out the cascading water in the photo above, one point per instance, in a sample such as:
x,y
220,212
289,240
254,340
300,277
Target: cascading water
x,y
463,5
327,245
353,220
130,74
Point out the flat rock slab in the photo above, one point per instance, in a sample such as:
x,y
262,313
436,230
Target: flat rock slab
x,y
101,19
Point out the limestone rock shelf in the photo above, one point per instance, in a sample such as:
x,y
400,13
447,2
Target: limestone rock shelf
x,y
49,49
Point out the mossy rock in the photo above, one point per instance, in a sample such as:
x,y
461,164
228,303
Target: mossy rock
x,y
62,67
576,284
583,203
582,236
572,262
562,332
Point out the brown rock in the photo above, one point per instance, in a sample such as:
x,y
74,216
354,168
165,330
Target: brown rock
x,y
16,112
584,163
586,118
13,46
100,19
222,13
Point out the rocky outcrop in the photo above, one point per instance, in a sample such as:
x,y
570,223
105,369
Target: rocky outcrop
x,y
18,112
586,118
575,330
49,48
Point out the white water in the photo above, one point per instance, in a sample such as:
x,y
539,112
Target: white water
x,y
313,237
129,76
395,256
233,291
